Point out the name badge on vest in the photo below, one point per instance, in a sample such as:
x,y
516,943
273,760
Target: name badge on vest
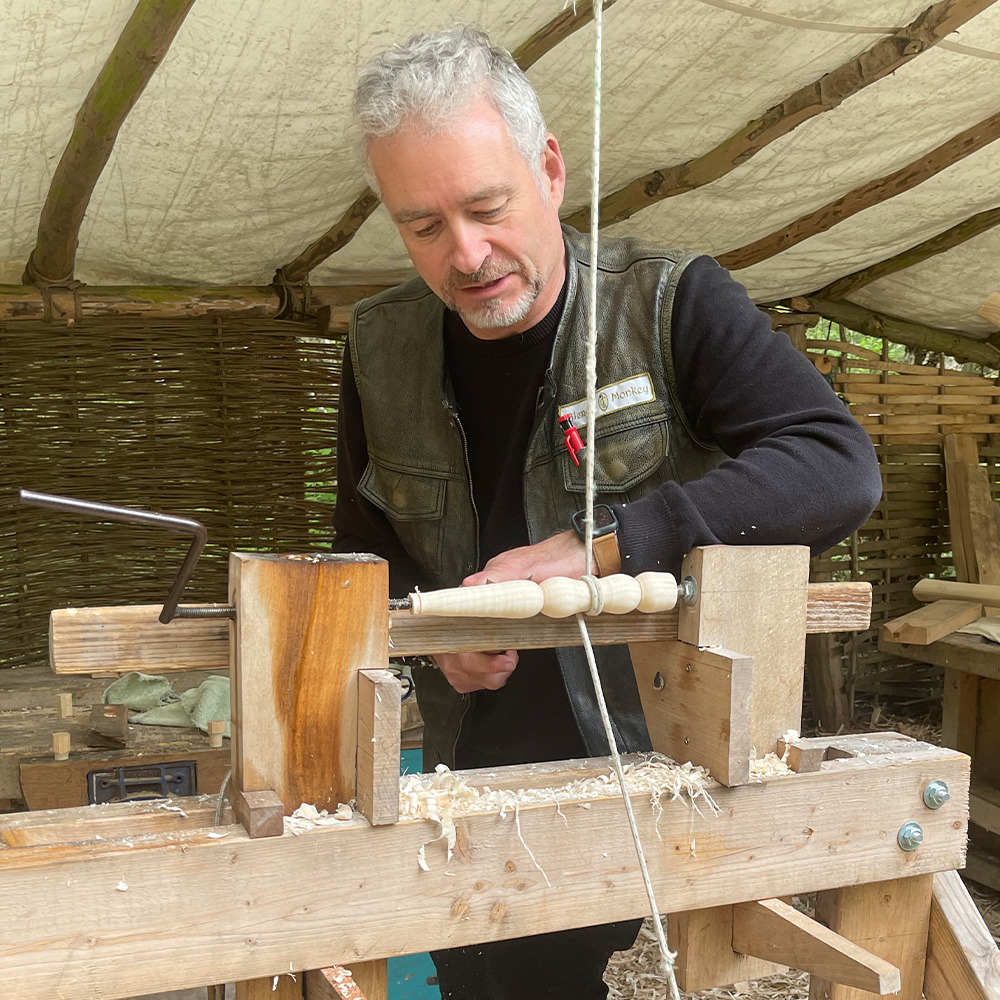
x,y
616,396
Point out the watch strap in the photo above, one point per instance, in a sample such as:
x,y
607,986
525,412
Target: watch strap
x,y
607,558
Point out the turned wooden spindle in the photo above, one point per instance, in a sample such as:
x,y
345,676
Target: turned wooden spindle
x,y
557,597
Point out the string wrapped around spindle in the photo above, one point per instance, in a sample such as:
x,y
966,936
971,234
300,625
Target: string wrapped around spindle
x,y
556,597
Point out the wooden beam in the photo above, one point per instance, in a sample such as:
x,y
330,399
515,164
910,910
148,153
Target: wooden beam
x,y
773,930
333,895
903,331
346,227
138,52
973,226
697,705
335,238
865,196
22,302
884,57
962,958
753,599
304,628
121,639
931,622
888,918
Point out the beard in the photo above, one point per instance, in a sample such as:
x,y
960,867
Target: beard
x,y
501,311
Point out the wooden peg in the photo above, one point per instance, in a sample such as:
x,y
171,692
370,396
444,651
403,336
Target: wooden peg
x,y
60,746
379,710
65,700
216,729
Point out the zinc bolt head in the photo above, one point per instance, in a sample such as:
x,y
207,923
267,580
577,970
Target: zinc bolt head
x,y
689,590
936,795
910,836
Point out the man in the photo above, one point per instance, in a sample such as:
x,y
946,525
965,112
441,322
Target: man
x,y
452,463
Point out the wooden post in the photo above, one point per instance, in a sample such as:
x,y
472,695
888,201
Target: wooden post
x,y
752,600
379,712
305,626
890,920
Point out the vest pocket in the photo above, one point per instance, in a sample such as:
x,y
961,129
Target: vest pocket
x,y
624,458
414,503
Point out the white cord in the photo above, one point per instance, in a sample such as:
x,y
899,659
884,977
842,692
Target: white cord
x,y
666,955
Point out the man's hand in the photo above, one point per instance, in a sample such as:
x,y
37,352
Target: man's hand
x,y
560,555
477,671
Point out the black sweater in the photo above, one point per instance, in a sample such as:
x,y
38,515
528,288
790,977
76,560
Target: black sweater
x,y
800,470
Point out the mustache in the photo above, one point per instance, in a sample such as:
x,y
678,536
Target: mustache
x,y
492,269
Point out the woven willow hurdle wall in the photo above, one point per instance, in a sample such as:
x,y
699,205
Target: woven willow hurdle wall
x,y
906,409
232,423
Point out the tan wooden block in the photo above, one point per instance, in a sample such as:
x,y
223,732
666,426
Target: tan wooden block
x,y
931,622
753,600
697,705
379,710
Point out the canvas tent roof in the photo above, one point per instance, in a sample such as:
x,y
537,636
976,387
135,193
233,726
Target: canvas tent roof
x,y
238,153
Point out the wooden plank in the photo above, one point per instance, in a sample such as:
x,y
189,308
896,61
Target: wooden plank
x,y
890,920
962,958
960,450
131,638
931,622
753,600
379,706
304,626
703,940
349,892
984,805
773,930
125,820
697,704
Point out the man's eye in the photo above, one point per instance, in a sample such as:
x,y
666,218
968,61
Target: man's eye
x,y
426,231
491,213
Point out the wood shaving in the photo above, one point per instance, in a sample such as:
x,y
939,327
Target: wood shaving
x,y
443,796
307,817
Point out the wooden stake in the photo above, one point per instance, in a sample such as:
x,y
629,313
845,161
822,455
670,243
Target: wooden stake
x,y
379,710
65,702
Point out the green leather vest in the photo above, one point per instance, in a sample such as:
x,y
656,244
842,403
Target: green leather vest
x,y
418,473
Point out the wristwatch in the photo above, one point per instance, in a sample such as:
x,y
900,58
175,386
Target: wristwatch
x,y
607,558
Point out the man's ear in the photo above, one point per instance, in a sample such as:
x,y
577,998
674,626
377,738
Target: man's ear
x,y
553,171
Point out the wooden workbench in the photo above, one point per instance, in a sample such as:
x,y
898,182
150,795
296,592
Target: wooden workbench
x,y
29,717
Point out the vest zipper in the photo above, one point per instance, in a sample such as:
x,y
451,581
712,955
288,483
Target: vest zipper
x,y
467,698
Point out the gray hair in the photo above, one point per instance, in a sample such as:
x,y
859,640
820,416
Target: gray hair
x,y
432,78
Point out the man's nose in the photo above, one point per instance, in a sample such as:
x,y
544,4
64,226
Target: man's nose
x,y
470,248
